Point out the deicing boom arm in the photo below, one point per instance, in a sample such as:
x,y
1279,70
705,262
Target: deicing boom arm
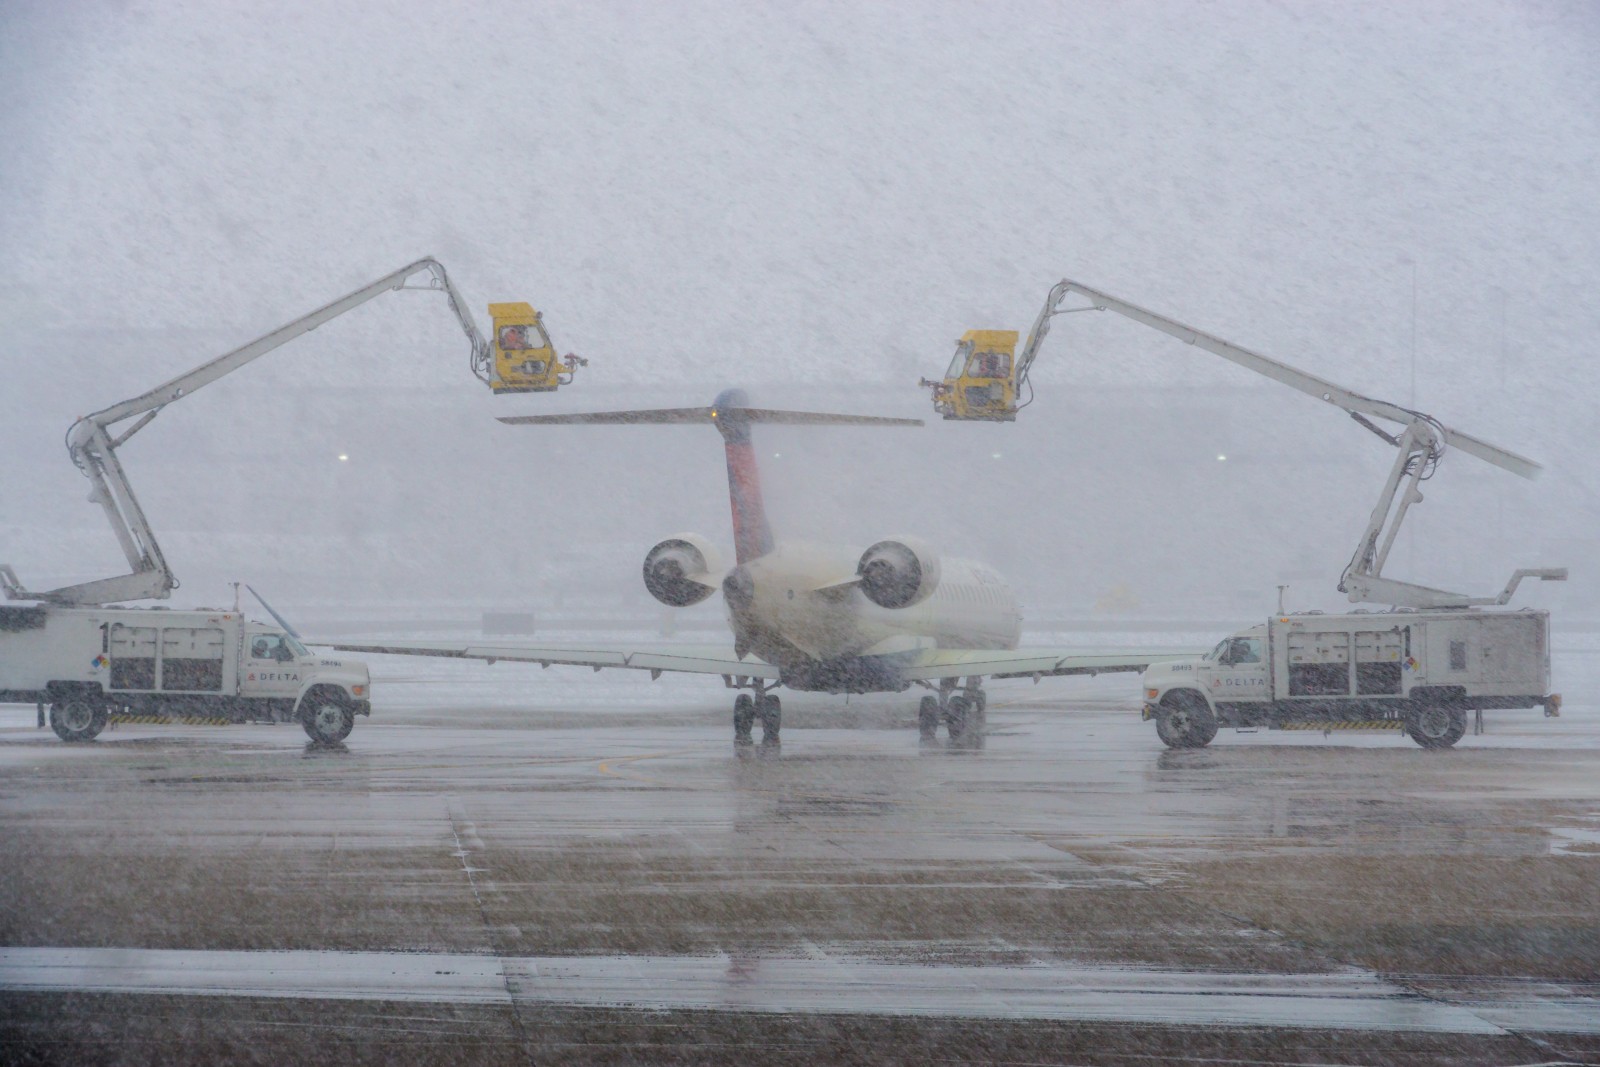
x,y
1421,441
93,448
226,364
1310,384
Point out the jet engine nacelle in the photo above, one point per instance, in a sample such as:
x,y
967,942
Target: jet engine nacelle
x,y
682,570
899,572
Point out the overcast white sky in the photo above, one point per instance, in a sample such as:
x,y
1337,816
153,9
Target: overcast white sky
x,y
825,194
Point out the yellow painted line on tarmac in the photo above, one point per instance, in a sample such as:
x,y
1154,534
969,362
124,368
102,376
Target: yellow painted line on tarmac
x,y
605,765
167,720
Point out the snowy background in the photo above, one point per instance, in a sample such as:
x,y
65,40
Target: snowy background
x,y
812,201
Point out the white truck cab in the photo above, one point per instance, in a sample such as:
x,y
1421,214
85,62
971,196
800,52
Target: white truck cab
x,y
1419,671
89,663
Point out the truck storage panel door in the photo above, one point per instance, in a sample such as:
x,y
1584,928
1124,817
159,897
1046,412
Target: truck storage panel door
x,y
1319,664
191,660
1378,655
1511,654
133,657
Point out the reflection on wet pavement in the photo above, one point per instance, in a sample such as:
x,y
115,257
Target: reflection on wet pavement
x,y
849,869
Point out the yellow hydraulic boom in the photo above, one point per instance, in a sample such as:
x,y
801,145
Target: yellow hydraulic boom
x,y
520,359
983,384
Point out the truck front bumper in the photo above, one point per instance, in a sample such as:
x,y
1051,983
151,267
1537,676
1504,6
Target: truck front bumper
x,y
1148,712
361,707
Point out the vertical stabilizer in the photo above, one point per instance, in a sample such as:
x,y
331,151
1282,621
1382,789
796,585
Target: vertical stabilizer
x,y
752,536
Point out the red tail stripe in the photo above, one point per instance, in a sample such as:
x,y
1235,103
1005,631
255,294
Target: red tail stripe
x,y
752,537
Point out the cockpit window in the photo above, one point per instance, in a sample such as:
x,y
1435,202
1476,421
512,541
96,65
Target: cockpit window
x,y
959,363
523,338
990,365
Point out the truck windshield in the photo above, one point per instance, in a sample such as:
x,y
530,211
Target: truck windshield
x,y
295,646
959,363
1216,653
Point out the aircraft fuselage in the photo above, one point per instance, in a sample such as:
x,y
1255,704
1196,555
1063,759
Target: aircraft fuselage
x,y
799,608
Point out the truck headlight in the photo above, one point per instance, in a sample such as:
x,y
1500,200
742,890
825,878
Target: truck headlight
x,y
358,690
1151,694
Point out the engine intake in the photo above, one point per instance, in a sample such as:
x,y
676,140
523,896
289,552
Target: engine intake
x,y
899,572
682,570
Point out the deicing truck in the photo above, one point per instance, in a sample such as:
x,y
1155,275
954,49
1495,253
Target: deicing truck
x,y
91,662
1420,671
1419,667
87,660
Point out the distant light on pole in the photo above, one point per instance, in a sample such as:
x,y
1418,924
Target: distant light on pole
x,y
994,455
343,458
1221,458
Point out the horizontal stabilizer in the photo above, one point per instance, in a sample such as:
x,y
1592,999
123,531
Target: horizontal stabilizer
x,y
665,416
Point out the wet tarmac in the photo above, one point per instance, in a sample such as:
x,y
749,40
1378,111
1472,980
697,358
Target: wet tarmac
x,y
554,867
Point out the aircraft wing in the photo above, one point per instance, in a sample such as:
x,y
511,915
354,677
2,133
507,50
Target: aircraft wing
x,y
690,659
1036,662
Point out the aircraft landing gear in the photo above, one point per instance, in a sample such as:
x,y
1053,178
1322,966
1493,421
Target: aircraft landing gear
x,y
964,713
744,716
770,711
747,709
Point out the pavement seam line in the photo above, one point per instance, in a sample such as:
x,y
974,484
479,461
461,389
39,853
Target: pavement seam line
x,y
494,941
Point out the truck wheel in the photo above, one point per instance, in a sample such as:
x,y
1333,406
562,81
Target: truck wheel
x,y
78,718
327,719
1436,725
1184,720
928,718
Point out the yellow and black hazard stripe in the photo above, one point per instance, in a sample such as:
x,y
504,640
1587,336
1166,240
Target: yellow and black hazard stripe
x,y
119,719
1365,724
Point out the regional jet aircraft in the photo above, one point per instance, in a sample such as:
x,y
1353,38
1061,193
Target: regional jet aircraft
x,y
814,617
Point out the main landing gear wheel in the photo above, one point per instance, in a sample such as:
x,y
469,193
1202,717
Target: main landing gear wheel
x,y
770,711
1184,720
1436,725
327,720
961,715
928,718
78,718
744,716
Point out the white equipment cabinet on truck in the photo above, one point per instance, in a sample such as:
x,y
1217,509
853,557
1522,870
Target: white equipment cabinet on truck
x,y
1420,671
88,663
